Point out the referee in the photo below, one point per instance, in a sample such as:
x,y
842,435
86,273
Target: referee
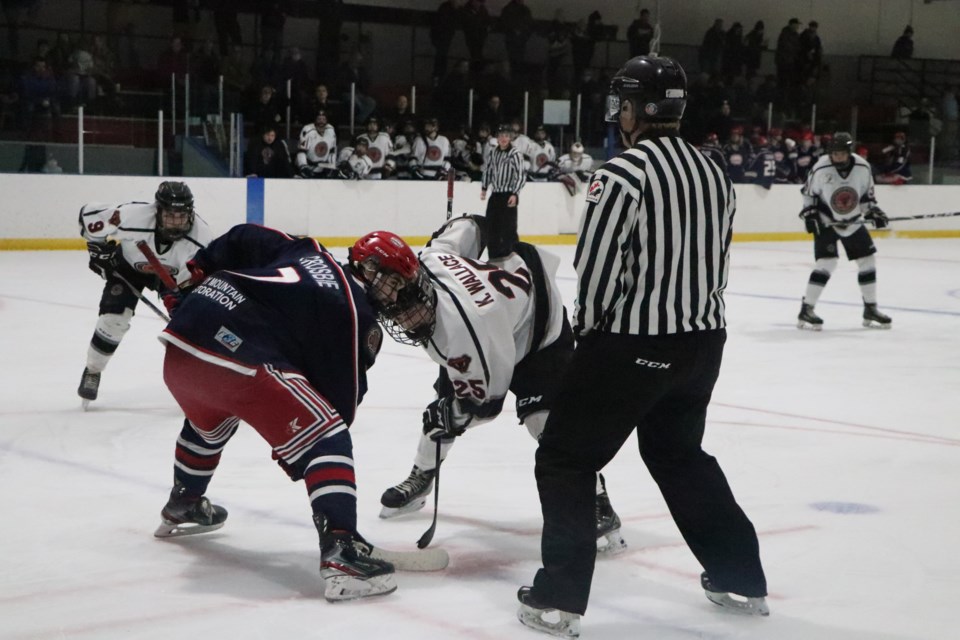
x,y
651,261
504,173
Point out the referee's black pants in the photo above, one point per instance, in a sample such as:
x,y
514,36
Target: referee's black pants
x,y
661,386
501,224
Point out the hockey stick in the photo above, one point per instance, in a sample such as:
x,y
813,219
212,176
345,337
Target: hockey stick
x,y
923,216
428,534
142,297
451,175
158,267
427,560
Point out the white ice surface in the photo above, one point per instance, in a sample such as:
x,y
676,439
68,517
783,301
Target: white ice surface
x,y
853,416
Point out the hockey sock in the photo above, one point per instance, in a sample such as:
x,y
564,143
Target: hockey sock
x,y
331,483
867,278
107,335
198,454
426,458
818,279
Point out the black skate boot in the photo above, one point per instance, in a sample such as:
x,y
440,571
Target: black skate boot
x,y
609,540
408,496
187,515
739,604
807,319
347,568
89,386
873,318
535,614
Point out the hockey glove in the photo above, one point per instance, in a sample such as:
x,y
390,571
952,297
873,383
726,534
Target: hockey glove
x,y
104,258
171,300
306,171
878,217
439,420
811,220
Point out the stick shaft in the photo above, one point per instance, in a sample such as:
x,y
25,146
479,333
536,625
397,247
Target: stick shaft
x,y
427,536
451,175
142,297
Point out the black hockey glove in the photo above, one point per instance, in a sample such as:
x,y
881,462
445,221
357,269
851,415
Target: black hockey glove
x,y
811,220
438,420
104,258
878,217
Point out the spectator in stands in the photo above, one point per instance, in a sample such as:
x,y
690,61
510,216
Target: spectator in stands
x,y
294,69
492,113
734,53
329,27
401,113
59,58
265,69
205,67
811,53
476,25
711,49
226,23
558,48
38,98
273,17
788,61
754,45
721,122
173,60
516,21
354,73
43,51
498,78
267,109
639,34
320,101
453,95
443,26
268,156
81,84
903,47
895,167
236,78
582,44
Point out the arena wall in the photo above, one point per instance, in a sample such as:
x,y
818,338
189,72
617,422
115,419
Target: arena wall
x,y
40,211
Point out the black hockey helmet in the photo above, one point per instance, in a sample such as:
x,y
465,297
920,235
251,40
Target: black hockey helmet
x,y
175,213
657,86
842,141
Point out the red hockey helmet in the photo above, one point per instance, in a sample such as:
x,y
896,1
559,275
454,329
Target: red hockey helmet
x,y
736,131
399,291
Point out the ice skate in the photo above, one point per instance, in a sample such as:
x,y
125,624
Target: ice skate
x,y
186,515
89,387
408,496
349,571
733,602
609,540
873,318
807,319
543,618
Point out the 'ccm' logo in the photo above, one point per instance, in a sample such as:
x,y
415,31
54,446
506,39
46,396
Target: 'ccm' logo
x,y
652,365
525,401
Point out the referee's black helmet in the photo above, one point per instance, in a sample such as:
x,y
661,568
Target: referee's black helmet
x,y
657,86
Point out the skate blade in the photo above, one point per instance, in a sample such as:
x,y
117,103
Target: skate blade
x,y
169,529
873,324
745,606
342,587
566,625
808,326
389,512
85,404
611,543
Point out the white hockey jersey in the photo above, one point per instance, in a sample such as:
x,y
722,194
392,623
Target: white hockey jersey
x,y
485,315
839,198
360,165
131,222
317,148
429,156
582,168
378,150
540,157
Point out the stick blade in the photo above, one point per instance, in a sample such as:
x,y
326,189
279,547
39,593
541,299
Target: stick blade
x,y
429,560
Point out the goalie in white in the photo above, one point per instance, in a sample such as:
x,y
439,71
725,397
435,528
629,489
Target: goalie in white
x,y
837,200
461,311
174,232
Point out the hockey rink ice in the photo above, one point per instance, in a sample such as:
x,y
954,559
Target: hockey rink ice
x,y
843,447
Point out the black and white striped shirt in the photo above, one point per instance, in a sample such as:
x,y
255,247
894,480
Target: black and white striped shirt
x,y
652,256
505,171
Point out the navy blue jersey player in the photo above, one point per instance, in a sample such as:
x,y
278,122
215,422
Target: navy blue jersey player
x,y
277,334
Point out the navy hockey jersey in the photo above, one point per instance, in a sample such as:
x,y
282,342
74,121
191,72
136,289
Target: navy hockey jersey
x,y
273,299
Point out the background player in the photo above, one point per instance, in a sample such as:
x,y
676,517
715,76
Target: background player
x,y
174,232
490,328
279,336
838,191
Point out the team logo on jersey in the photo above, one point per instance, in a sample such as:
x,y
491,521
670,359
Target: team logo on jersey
x,y
115,218
844,200
651,109
320,149
267,155
594,191
228,339
374,154
146,267
541,159
374,341
434,153
461,364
